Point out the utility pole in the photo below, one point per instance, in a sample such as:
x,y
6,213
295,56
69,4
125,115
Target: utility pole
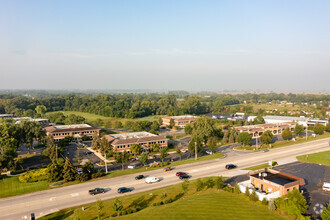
x,y
105,162
195,150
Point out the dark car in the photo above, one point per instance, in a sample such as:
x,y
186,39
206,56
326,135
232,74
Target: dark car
x,y
123,190
184,176
180,173
230,166
88,152
96,191
139,177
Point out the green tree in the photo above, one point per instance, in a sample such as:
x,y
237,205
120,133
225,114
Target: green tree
x,y
117,206
188,129
247,191
287,134
96,142
143,158
172,123
122,157
253,196
185,186
68,170
155,147
244,138
135,149
327,128
41,109
29,131
209,183
325,215
266,137
212,143
219,183
163,154
298,129
259,120
178,152
203,128
105,146
293,203
55,172
99,207
163,196
236,189
160,121
191,145
319,128
199,185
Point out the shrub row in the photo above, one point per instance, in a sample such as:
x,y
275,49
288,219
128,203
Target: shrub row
x,y
34,176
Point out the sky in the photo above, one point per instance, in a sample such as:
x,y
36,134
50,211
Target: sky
x,y
165,45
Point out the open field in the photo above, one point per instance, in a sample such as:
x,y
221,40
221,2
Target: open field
x,y
285,143
318,158
11,186
257,167
93,117
208,204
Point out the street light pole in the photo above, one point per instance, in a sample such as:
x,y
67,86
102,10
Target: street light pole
x,y
105,162
195,150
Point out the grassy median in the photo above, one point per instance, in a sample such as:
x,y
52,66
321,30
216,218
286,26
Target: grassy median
x,y
318,158
207,204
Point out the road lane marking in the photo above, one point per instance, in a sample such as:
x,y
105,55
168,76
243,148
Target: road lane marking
x,y
74,194
52,198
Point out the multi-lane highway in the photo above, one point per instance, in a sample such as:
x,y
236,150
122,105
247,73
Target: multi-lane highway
x,y
45,202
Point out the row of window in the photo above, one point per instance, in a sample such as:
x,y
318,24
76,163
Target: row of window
x,y
76,132
153,142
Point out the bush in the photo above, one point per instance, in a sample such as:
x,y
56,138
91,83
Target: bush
x,y
15,172
264,202
82,177
236,189
247,192
253,196
34,176
228,189
219,183
124,212
199,185
97,175
129,211
209,183
170,200
114,215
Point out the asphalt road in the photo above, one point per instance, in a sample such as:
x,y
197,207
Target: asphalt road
x,y
45,202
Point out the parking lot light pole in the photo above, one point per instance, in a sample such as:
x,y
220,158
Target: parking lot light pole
x,y
105,162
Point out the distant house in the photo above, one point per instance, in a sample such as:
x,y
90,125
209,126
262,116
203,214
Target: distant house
x,y
77,131
270,184
123,141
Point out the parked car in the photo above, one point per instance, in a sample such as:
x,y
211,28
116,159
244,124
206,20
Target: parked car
x,y
88,152
326,187
230,166
168,169
152,180
265,150
124,189
79,171
208,152
96,191
131,166
183,150
180,173
184,176
139,177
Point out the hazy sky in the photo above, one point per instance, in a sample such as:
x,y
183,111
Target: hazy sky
x,y
190,45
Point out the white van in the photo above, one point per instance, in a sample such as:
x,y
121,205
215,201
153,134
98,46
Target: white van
x,y
326,187
152,179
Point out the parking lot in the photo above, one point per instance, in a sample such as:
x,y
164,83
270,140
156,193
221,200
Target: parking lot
x,y
313,174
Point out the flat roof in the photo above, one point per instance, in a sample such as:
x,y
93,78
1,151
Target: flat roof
x,y
125,136
71,126
182,117
75,127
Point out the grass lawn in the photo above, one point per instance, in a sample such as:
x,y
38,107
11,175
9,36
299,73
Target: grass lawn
x,y
11,186
208,204
286,143
257,167
318,158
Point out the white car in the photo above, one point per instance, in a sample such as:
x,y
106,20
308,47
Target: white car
x,y
326,186
152,180
183,150
131,167
208,152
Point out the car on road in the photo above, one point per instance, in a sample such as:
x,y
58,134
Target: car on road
x,y
184,176
265,150
88,152
124,189
230,166
180,173
96,191
152,180
168,169
138,177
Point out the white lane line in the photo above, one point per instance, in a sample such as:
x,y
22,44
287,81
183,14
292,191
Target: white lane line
x,y
52,198
75,194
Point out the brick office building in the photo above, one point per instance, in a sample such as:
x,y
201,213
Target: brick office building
x,y
179,121
77,131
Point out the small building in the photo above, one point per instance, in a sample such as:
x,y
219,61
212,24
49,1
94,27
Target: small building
x,y
123,141
179,121
257,130
302,120
270,184
43,121
77,131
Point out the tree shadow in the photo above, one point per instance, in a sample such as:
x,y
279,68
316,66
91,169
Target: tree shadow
x,y
61,215
141,202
